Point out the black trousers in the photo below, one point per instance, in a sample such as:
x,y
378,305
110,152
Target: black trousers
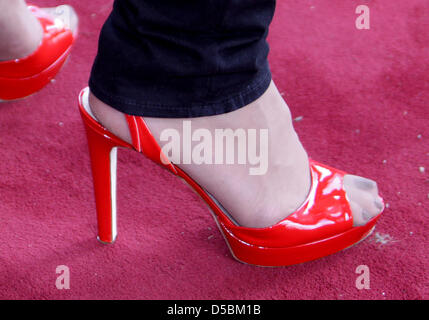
x,y
183,58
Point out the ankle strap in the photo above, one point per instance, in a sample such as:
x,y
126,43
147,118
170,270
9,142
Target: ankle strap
x,y
144,142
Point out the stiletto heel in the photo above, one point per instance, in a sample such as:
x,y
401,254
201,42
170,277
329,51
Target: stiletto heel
x,y
321,226
103,154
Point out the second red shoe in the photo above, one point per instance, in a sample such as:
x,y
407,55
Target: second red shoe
x,y
22,77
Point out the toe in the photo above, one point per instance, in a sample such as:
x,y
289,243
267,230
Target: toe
x,y
361,183
360,217
365,202
65,15
365,206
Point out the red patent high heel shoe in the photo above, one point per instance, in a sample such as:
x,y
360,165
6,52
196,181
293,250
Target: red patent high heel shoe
x,y
321,226
22,77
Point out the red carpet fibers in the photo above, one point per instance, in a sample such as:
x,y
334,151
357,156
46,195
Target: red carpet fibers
x,y
363,98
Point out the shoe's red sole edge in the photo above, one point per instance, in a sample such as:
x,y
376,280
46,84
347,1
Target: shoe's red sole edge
x,y
275,257
13,89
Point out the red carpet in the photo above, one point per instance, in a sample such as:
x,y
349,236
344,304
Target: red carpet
x,y
363,97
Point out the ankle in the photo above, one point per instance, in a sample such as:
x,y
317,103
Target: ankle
x,y
112,119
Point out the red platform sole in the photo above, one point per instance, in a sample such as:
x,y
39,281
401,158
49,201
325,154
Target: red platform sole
x,y
13,89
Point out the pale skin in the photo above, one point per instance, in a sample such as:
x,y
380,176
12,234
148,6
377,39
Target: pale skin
x,y
252,200
20,31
